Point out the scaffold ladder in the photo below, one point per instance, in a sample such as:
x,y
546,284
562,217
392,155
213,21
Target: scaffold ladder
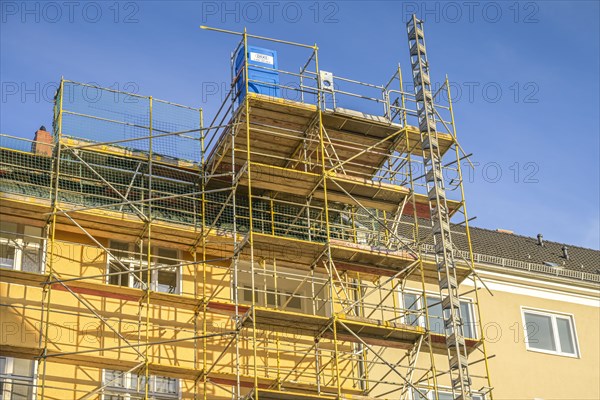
x,y
440,217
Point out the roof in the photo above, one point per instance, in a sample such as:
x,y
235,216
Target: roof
x,y
527,249
524,249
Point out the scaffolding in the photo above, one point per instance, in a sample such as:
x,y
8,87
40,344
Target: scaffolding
x,y
299,226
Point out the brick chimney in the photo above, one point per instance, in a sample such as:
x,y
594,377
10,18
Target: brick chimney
x,y
42,142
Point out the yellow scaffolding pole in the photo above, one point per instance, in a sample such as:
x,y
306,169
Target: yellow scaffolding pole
x,y
204,276
250,220
50,258
149,255
277,344
324,175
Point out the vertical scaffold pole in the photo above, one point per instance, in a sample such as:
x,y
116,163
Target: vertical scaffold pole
x,y
236,250
50,257
329,261
203,233
250,220
148,254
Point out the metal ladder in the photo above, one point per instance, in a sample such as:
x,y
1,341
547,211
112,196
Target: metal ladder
x,y
440,218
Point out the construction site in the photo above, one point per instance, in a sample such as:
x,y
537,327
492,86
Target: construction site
x,y
299,244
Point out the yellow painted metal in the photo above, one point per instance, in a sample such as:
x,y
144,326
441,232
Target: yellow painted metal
x,y
386,232
277,344
47,291
204,258
246,35
325,173
336,358
353,221
250,212
149,253
272,217
395,299
403,97
364,350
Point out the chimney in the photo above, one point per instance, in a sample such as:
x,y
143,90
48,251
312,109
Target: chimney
x,y
509,232
565,252
42,142
540,238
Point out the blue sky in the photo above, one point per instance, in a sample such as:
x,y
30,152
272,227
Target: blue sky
x,y
526,77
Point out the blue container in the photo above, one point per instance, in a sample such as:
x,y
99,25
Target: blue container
x,y
262,72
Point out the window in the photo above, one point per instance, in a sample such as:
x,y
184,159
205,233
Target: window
x,y
292,302
130,386
424,394
21,247
285,289
16,378
416,315
550,333
128,268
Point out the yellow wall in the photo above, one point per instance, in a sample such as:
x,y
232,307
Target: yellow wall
x,y
73,328
516,372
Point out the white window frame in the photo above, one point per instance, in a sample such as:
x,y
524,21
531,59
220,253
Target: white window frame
x,y
132,263
8,378
421,318
282,298
553,315
284,291
20,244
431,394
128,392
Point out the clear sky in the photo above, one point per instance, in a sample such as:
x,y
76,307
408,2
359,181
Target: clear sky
x,y
526,77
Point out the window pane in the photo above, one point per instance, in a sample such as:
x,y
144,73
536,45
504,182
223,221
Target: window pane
x,y
8,230
118,279
32,234
119,249
138,382
21,390
295,302
30,261
165,385
411,303
436,316
247,294
539,332
466,312
445,396
565,336
140,278
167,256
419,394
271,300
7,256
113,378
22,367
167,280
